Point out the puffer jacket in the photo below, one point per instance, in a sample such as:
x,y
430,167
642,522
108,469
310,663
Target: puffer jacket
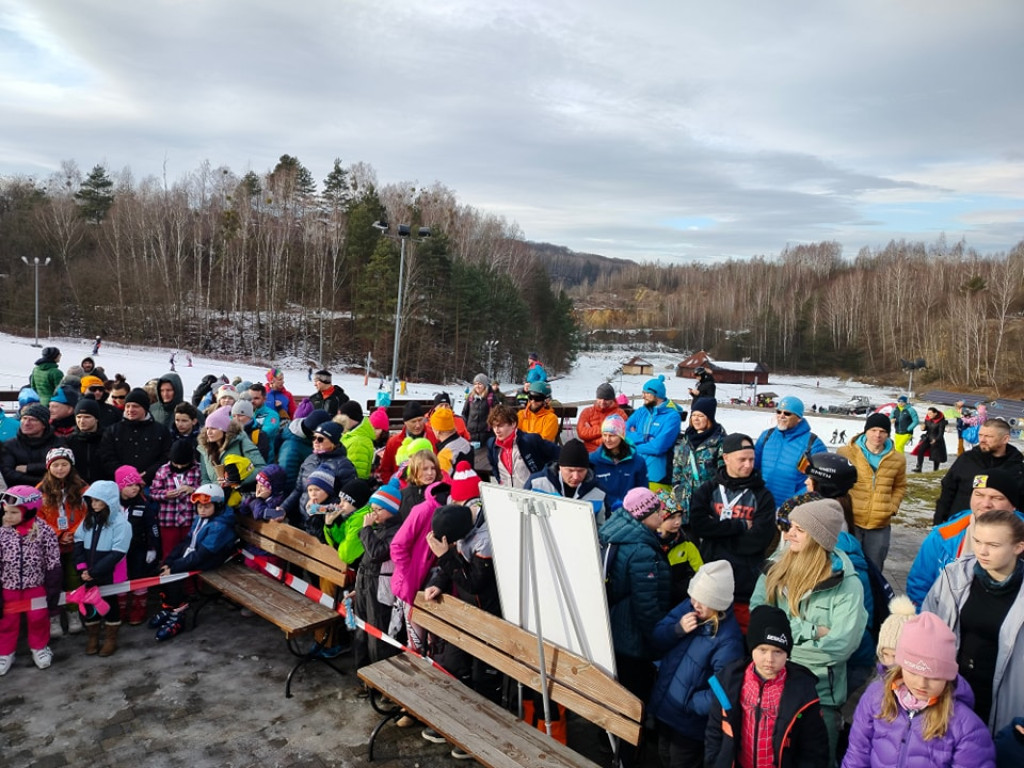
x,y
697,458
777,454
44,379
210,542
30,452
877,743
588,424
29,560
639,585
335,463
905,420
358,443
682,697
88,456
163,413
877,494
618,476
654,432
947,598
475,413
836,603
102,549
549,481
343,535
543,422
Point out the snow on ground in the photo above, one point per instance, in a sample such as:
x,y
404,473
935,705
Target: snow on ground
x,y
139,364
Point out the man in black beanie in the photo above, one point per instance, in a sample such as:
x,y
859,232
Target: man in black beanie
x,y
24,455
415,425
571,477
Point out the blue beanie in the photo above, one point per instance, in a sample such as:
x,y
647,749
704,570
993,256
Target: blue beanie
x,y
656,387
792,404
706,405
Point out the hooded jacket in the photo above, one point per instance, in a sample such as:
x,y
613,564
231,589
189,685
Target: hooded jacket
x,y
616,477
878,493
210,542
946,600
163,413
719,512
44,379
837,603
102,549
549,481
682,697
235,443
877,743
409,549
654,430
638,585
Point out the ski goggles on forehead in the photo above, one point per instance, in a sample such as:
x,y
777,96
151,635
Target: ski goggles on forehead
x,y
18,499
783,524
201,498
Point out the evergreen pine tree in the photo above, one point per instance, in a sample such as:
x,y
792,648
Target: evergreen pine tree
x,y
96,195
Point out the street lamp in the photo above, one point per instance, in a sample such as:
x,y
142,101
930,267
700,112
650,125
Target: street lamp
x,y
491,346
36,264
404,233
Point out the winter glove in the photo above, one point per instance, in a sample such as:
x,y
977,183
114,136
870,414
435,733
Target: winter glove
x,y
53,581
150,556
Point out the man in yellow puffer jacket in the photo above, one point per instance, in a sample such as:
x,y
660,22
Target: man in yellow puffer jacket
x,y
881,484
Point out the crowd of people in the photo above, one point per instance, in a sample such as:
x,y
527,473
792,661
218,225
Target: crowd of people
x,y
744,575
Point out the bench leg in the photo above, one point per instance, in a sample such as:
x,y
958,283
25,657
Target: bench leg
x,y
305,658
373,736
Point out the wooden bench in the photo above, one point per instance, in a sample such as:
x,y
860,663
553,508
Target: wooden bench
x,y
493,735
292,612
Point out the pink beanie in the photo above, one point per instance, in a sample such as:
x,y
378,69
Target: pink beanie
x,y
220,419
927,647
379,419
127,475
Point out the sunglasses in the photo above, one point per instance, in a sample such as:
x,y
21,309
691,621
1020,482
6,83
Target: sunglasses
x,y
98,389
787,414
320,439
538,398
118,397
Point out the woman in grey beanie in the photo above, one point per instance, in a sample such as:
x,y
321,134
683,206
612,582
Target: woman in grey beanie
x,y
817,586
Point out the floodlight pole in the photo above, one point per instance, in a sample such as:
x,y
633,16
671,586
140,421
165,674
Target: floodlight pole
x,y
36,264
404,233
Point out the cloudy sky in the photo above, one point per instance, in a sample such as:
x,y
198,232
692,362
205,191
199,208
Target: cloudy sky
x,y
653,130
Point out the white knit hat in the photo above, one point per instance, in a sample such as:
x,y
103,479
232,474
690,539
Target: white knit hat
x,y
714,585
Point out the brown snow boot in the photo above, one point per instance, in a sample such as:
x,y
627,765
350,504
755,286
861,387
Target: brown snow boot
x,y
92,637
110,638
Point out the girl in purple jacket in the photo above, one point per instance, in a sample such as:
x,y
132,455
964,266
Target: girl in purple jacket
x,y
920,714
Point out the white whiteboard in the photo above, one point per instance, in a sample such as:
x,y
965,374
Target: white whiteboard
x,y
570,550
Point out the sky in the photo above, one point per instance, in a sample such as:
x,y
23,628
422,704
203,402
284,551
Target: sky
x,y
661,130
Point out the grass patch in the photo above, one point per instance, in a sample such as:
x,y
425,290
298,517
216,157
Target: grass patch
x,y
918,507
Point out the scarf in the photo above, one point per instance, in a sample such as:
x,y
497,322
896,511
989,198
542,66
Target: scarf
x,y
1010,584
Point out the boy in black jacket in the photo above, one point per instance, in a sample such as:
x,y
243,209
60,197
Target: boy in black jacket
x,y
769,713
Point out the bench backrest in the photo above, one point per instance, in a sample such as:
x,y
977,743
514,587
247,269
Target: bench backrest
x,y
573,681
295,546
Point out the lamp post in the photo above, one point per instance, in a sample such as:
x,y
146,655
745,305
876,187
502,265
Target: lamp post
x,y
404,233
491,345
36,264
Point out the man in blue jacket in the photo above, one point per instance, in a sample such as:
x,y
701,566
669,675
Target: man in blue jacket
x,y
779,450
653,429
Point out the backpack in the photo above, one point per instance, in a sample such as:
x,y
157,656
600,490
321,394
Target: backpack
x,y
609,550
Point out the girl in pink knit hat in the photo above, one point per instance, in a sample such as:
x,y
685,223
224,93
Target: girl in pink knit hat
x,y
920,715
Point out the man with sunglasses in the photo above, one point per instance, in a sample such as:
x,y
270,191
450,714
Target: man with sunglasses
x,y
94,389
993,451
538,417
780,448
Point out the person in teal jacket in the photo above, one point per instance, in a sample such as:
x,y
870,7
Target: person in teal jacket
x,y
653,429
46,376
828,615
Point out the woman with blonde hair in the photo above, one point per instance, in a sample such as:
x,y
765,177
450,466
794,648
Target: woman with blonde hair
x,y
817,586
920,714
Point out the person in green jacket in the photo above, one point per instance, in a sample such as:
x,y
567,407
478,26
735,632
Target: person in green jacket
x,y
357,437
817,586
46,376
344,520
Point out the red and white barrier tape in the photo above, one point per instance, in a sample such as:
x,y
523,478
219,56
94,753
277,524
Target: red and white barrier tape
x,y
37,603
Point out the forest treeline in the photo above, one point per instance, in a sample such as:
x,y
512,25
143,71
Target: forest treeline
x,y
273,265
809,309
